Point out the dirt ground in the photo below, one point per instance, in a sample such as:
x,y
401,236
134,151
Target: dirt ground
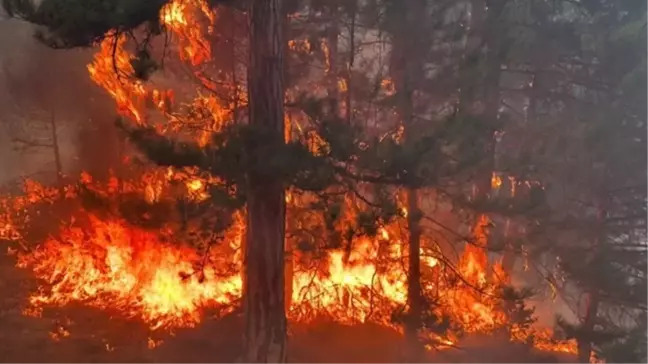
x,y
81,334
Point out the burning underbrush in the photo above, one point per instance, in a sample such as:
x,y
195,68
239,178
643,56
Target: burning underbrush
x,y
133,246
109,265
149,272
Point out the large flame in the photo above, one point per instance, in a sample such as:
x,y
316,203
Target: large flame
x,y
107,263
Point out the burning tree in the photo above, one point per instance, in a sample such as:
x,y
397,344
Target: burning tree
x,y
277,169
560,84
265,314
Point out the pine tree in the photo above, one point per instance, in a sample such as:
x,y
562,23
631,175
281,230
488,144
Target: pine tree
x,y
265,327
590,161
580,102
406,68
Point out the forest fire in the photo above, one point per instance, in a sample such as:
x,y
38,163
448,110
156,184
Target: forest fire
x,y
110,265
107,263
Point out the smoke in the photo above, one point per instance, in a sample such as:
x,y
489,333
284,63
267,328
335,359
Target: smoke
x,y
548,304
40,87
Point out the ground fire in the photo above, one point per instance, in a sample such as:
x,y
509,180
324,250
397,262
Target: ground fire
x,y
104,261
108,263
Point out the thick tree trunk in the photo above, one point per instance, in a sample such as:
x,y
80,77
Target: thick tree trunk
x,y
289,264
264,301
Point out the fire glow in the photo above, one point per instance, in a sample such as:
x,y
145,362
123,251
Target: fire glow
x,y
106,263
109,264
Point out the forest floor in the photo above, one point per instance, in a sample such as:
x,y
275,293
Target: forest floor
x,y
82,334
77,334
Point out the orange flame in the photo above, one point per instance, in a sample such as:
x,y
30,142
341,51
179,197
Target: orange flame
x,y
112,70
109,264
177,15
128,269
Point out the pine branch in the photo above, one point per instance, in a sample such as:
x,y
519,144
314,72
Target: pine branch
x,y
164,151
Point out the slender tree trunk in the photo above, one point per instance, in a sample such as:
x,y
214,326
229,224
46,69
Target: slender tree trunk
x,y
531,112
233,69
332,33
265,314
414,268
57,154
508,260
473,46
591,310
493,58
491,93
348,104
483,36
592,297
406,67
289,273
